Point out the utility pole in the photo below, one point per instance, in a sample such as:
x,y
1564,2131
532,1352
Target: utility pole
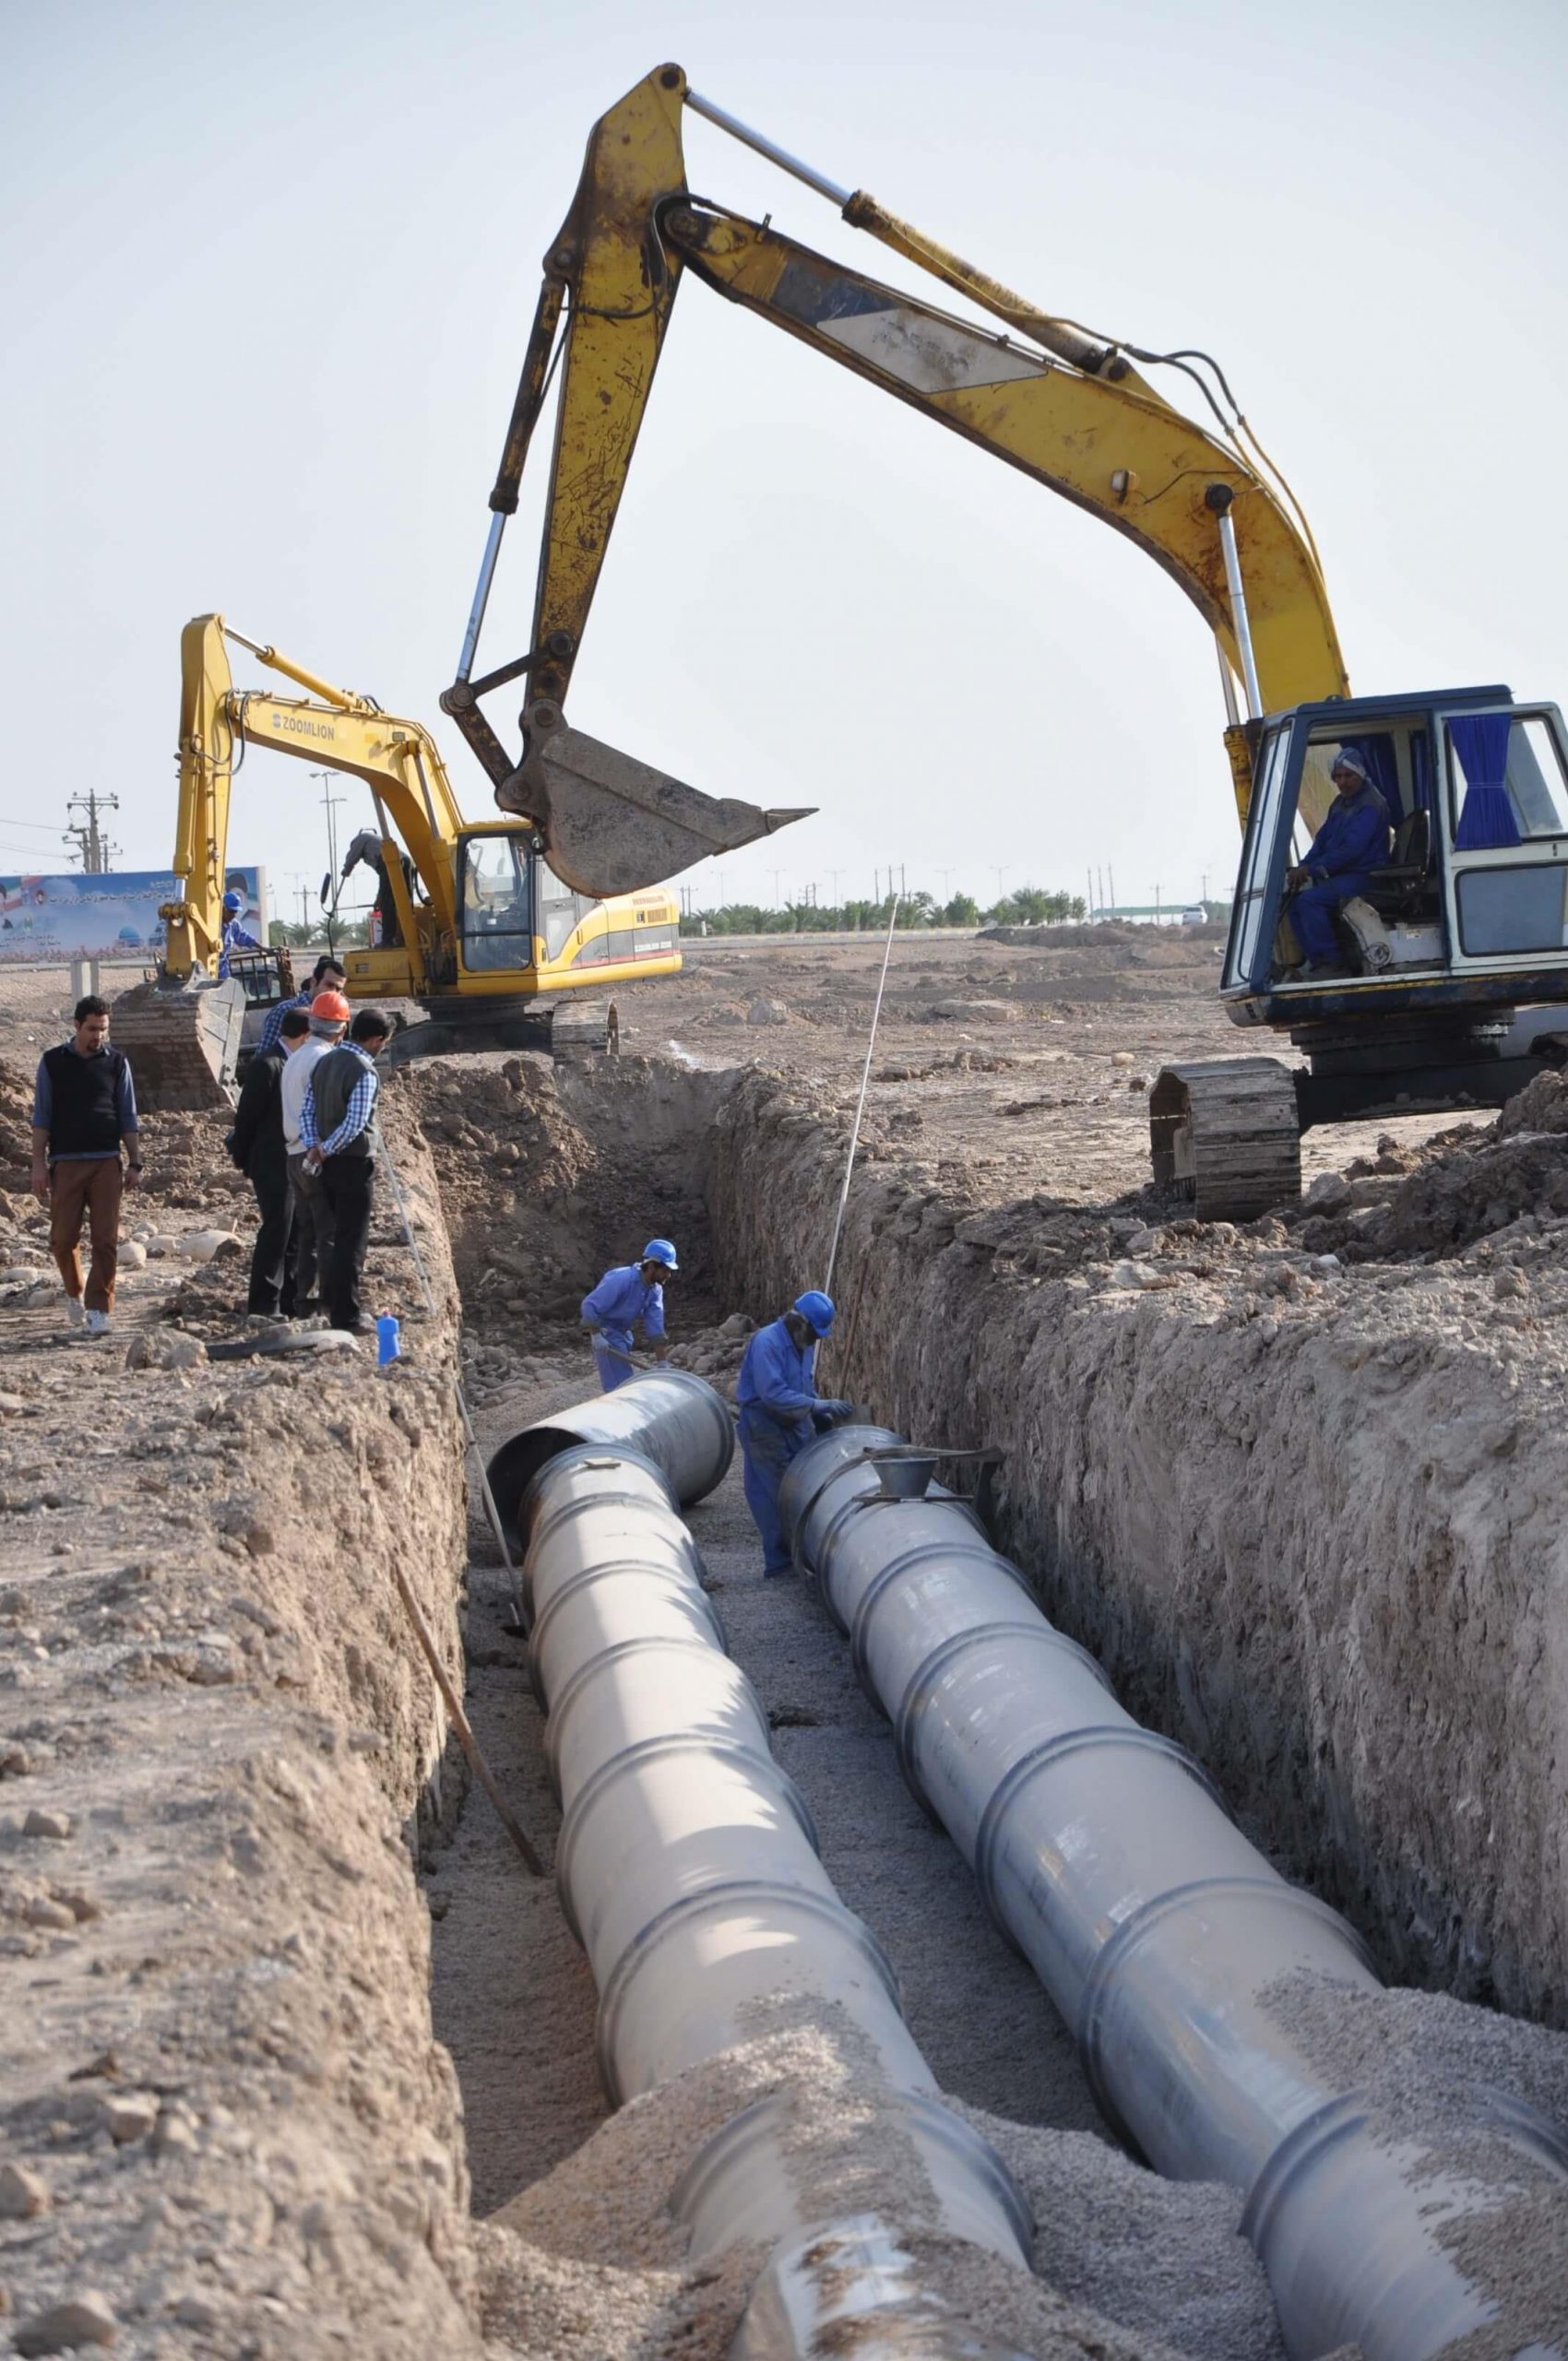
x,y
777,898
835,874
1000,867
331,802
93,848
1092,903
1099,874
1113,889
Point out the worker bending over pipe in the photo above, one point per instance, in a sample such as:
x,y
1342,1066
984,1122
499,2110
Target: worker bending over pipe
x,y
782,1412
630,1295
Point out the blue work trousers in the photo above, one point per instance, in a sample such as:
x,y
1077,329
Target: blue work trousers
x,y
1311,912
613,1359
768,1445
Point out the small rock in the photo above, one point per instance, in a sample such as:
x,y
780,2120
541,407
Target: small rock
x,y
1509,1282
1123,1058
23,2193
1328,1193
81,2320
127,2116
1137,1081
14,1762
1326,1262
42,1910
768,1012
54,1825
203,1245
198,2312
133,1254
12,1402
149,1350
1136,1274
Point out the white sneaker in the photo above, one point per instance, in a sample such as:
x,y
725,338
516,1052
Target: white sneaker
x,y
98,1324
75,1311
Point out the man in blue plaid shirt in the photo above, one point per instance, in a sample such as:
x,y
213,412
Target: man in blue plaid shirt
x,y
327,975
341,1143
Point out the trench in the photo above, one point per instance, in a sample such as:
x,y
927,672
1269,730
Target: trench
x,y
1206,1622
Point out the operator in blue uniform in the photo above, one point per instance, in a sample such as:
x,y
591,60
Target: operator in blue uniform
x,y
630,1294
1353,841
782,1412
235,936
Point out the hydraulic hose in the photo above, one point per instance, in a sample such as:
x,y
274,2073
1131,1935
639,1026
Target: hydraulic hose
x,y
687,1867
1158,1929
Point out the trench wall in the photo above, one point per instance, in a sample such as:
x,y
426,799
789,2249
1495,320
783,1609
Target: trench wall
x,y
221,2079
1329,1558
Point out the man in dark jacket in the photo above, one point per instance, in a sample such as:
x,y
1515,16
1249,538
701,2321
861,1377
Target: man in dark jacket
x,y
342,1141
257,1146
84,1111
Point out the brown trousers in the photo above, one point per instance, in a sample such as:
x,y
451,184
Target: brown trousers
x,y
87,1188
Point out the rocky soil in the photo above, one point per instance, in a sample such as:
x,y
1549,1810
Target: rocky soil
x,y
227,2127
265,2094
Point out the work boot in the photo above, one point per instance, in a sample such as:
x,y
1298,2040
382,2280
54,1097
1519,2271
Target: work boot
x,y
98,1324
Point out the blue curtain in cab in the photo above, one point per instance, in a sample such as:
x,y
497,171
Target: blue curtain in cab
x,y
1480,741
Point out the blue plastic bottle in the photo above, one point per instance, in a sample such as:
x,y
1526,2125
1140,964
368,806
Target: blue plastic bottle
x,y
386,1339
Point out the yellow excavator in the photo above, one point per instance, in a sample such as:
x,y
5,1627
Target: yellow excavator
x,y
1452,966
473,925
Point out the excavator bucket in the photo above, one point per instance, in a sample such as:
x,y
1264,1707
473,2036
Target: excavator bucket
x,y
183,1041
612,825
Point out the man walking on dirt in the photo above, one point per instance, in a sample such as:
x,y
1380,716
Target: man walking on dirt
x,y
342,1144
84,1109
782,1412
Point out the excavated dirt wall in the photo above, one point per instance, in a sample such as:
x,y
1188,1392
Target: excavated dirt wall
x,y
1305,1508
227,2126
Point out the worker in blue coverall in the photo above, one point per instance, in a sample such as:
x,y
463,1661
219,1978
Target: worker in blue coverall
x,y
630,1295
235,936
1353,841
782,1412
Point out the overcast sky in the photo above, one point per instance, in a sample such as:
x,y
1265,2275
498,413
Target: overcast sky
x,y
269,274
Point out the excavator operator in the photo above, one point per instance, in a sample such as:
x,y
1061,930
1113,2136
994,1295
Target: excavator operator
x,y
1352,841
386,932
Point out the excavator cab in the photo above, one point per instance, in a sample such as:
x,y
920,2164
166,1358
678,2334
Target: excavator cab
x,y
1449,983
1469,884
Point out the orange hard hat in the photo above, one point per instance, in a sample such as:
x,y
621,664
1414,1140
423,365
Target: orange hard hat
x,y
331,1008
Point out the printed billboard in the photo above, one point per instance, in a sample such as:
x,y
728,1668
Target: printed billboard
x,y
44,921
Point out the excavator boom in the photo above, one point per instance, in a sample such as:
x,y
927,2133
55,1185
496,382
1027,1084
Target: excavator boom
x,y
1049,398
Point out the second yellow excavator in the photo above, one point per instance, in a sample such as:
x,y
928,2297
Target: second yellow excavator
x,y
473,926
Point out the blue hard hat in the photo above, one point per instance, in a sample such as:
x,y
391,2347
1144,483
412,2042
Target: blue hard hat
x,y
232,901
659,1250
815,1307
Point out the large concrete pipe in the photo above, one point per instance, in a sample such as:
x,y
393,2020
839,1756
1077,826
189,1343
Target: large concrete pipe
x,y
1159,1931
667,1416
688,1869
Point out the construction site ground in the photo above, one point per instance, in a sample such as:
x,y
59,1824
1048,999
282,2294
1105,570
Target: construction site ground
x,y
299,2060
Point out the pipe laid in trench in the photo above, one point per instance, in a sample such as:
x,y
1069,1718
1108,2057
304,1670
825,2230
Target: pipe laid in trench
x,y
688,1869
668,1415
1154,1925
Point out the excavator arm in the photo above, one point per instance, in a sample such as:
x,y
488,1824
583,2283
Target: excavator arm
x,y
1067,408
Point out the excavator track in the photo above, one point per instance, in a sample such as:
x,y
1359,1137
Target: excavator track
x,y
1227,1137
183,1041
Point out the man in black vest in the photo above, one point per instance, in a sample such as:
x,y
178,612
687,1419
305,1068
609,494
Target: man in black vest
x,y
338,1126
257,1146
84,1105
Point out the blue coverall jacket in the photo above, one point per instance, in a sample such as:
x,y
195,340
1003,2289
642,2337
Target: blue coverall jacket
x,y
776,1396
616,1304
1353,841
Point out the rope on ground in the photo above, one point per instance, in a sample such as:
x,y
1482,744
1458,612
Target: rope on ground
x,y
422,1633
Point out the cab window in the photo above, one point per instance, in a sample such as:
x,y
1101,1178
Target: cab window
x,y
496,906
